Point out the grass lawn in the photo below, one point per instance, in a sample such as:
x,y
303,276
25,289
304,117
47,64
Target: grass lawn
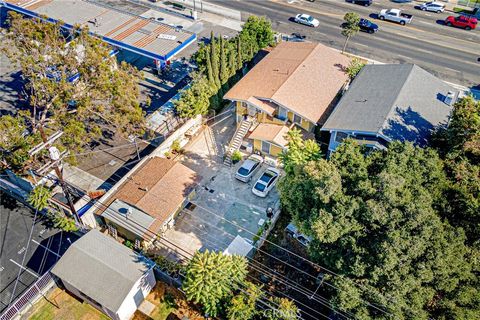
x,y
68,308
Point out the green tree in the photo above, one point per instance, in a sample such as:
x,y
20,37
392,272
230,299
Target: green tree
x,y
258,32
299,151
243,304
210,78
239,53
354,68
232,60
282,309
39,197
374,220
64,223
224,73
459,145
196,99
214,59
105,97
212,277
14,143
350,27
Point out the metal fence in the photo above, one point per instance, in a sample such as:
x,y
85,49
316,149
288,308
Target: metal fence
x,y
29,297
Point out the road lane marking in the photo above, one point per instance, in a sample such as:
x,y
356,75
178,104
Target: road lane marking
x,y
21,250
22,267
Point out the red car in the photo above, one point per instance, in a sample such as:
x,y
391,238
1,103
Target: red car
x,y
467,23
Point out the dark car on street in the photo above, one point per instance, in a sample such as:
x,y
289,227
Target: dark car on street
x,y
365,3
367,26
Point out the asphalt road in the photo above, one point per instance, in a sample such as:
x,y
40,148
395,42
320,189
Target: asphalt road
x,y
46,245
447,52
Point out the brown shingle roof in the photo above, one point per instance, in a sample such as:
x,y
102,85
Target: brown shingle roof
x,y
158,187
302,76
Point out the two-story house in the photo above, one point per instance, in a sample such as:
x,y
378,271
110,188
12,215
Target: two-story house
x,y
391,102
294,85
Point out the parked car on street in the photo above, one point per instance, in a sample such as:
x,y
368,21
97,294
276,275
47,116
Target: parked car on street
x,y
266,182
465,22
367,26
365,3
395,15
307,20
432,6
248,168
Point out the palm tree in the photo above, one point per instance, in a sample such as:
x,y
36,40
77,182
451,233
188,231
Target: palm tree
x,y
350,27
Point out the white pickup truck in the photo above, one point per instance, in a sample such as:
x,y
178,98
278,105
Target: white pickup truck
x,y
395,15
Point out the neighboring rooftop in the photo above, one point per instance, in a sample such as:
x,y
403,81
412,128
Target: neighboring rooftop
x,y
158,188
101,268
129,217
301,76
399,101
271,132
144,36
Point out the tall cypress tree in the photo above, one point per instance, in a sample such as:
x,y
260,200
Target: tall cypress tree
x,y
232,61
211,80
214,60
223,62
239,53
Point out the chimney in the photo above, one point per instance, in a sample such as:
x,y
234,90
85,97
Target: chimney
x,y
449,98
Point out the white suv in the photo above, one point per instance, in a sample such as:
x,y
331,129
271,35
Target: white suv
x,y
433,6
248,168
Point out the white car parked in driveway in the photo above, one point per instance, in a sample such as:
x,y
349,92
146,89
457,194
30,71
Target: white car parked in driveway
x,y
433,6
248,168
266,182
306,20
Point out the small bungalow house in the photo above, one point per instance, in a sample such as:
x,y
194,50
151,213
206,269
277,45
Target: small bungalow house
x,y
106,274
390,102
294,85
149,199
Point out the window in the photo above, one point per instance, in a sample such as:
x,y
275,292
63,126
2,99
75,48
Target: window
x,y
265,147
297,119
340,136
282,113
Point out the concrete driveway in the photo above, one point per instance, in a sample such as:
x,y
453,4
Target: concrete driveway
x,y
223,207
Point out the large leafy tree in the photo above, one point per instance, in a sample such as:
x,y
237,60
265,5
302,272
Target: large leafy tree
x,y
39,197
374,219
299,150
196,99
211,277
257,31
104,97
244,304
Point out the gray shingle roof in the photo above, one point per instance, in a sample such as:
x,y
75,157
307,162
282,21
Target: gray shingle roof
x,y
101,268
400,101
136,222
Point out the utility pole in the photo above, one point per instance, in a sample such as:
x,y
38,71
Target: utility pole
x,y
56,158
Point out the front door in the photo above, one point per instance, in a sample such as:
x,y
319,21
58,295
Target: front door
x,y
252,111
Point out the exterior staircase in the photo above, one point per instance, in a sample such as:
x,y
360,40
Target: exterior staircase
x,y
236,141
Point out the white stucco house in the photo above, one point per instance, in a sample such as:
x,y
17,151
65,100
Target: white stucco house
x,y
111,277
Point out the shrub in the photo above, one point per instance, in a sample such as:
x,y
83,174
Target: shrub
x,y
236,156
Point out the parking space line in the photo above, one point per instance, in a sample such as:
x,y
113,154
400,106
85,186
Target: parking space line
x,y
41,245
22,267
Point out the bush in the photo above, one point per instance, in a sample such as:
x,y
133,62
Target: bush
x,y
128,244
236,156
175,147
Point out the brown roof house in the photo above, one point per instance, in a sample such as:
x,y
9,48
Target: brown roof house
x,y
147,202
294,85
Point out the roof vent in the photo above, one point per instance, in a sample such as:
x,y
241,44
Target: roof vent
x,y
449,98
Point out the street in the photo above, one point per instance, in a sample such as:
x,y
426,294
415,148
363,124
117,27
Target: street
x,y
47,244
449,53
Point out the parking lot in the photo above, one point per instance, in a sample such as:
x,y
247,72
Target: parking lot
x,y
46,246
223,207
